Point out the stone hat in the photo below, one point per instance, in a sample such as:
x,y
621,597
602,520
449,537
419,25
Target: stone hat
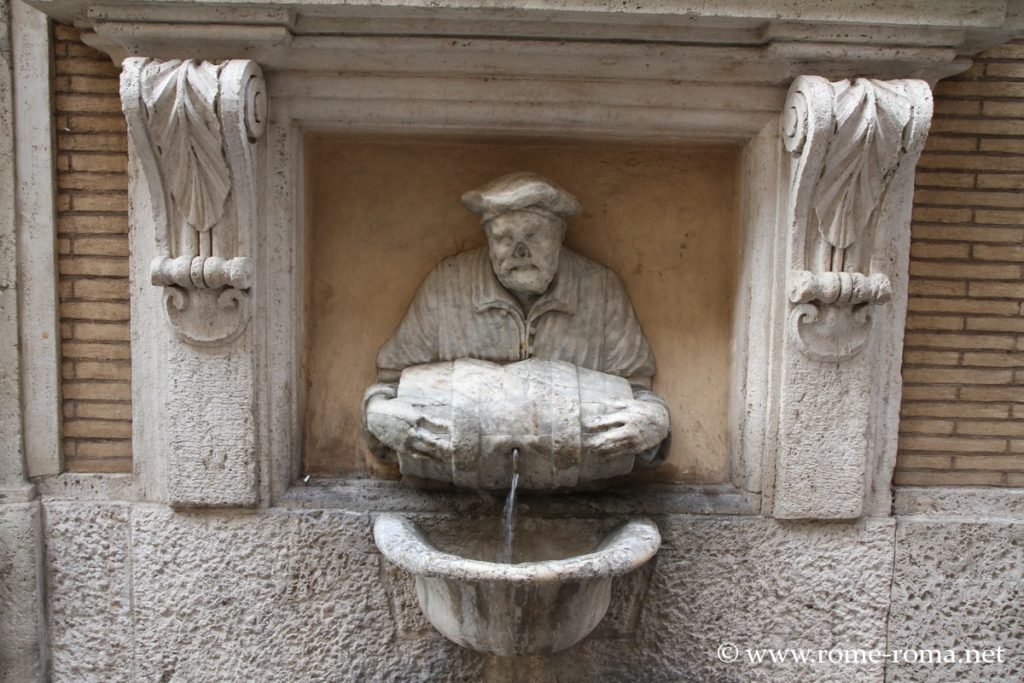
x,y
517,191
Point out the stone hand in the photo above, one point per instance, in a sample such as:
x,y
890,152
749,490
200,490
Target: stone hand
x,y
623,427
405,427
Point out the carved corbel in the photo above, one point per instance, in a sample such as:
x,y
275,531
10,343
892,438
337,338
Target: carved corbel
x,y
847,141
194,127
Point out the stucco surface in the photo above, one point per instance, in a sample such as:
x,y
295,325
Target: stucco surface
x,y
141,592
958,585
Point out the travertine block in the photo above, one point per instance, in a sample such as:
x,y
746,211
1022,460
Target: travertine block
x,y
957,585
22,631
88,573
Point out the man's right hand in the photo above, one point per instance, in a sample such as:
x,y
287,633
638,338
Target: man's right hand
x,y
405,427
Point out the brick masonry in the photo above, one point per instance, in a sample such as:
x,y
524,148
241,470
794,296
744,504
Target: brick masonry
x,y
92,232
962,419
963,366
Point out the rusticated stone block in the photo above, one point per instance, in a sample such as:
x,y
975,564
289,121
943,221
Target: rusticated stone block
x,y
958,585
289,595
275,596
21,632
88,576
755,583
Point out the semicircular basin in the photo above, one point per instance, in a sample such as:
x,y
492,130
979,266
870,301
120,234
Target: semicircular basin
x,y
539,606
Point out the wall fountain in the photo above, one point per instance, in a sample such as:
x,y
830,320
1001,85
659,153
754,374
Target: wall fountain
x,y
794,420
518,364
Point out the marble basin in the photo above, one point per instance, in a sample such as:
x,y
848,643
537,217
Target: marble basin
x,y
552,595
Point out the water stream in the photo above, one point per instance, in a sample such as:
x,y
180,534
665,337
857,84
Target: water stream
x,y
509,516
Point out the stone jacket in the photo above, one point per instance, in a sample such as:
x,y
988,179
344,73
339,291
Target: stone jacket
x,y
462,311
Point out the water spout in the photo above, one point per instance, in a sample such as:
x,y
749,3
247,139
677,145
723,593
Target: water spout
x,y
509,515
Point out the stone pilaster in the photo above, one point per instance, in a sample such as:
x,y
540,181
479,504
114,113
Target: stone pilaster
x,y
22,628
853,146
194,128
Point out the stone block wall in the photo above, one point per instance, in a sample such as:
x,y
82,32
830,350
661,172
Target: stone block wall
x,y
92,224
141,592
304,595
962,420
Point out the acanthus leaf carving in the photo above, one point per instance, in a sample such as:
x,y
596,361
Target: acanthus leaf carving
x,y
194,127
848,141
181,106
863,154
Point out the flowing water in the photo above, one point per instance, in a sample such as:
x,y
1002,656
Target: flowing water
x,y
509,515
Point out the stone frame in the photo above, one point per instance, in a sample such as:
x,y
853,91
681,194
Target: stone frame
x,y
431,83
292,117
39,333
300,104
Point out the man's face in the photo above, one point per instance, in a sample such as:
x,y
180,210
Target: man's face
x,y
524,248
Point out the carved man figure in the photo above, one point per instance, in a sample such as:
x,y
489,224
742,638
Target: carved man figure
x,y
523,296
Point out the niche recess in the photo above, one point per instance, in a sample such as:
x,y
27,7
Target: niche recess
x,y
381,212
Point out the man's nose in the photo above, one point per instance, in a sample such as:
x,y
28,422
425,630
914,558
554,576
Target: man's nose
x,y
521,251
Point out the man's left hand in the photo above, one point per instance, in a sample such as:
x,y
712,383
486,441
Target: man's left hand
x,y
631,426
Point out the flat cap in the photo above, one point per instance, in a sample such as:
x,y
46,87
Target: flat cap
x,y
517,191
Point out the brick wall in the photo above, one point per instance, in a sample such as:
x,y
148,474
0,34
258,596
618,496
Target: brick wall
x,y
92,227
963,364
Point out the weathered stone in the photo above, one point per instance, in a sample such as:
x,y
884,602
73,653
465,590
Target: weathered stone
x,y
195,128
199,168
13,486
567,402
282,594
754,583
22,631
271,596
33,145
958,586
88,578
140,592
853,147
546,597
537,408
974,503
410,621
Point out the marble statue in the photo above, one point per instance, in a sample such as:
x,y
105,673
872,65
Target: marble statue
x,y
523,344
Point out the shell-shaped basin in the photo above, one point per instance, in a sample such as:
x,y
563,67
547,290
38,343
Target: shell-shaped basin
x,y
545,604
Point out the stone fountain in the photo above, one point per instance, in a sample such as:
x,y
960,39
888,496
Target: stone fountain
x,y
552,596
521,364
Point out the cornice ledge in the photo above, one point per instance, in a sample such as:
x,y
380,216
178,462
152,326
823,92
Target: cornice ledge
x,y
915,39
880,16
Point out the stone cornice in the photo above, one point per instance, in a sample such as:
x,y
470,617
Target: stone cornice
x,y
918,38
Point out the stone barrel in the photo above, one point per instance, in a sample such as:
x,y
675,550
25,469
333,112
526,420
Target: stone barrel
x,y
534,405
